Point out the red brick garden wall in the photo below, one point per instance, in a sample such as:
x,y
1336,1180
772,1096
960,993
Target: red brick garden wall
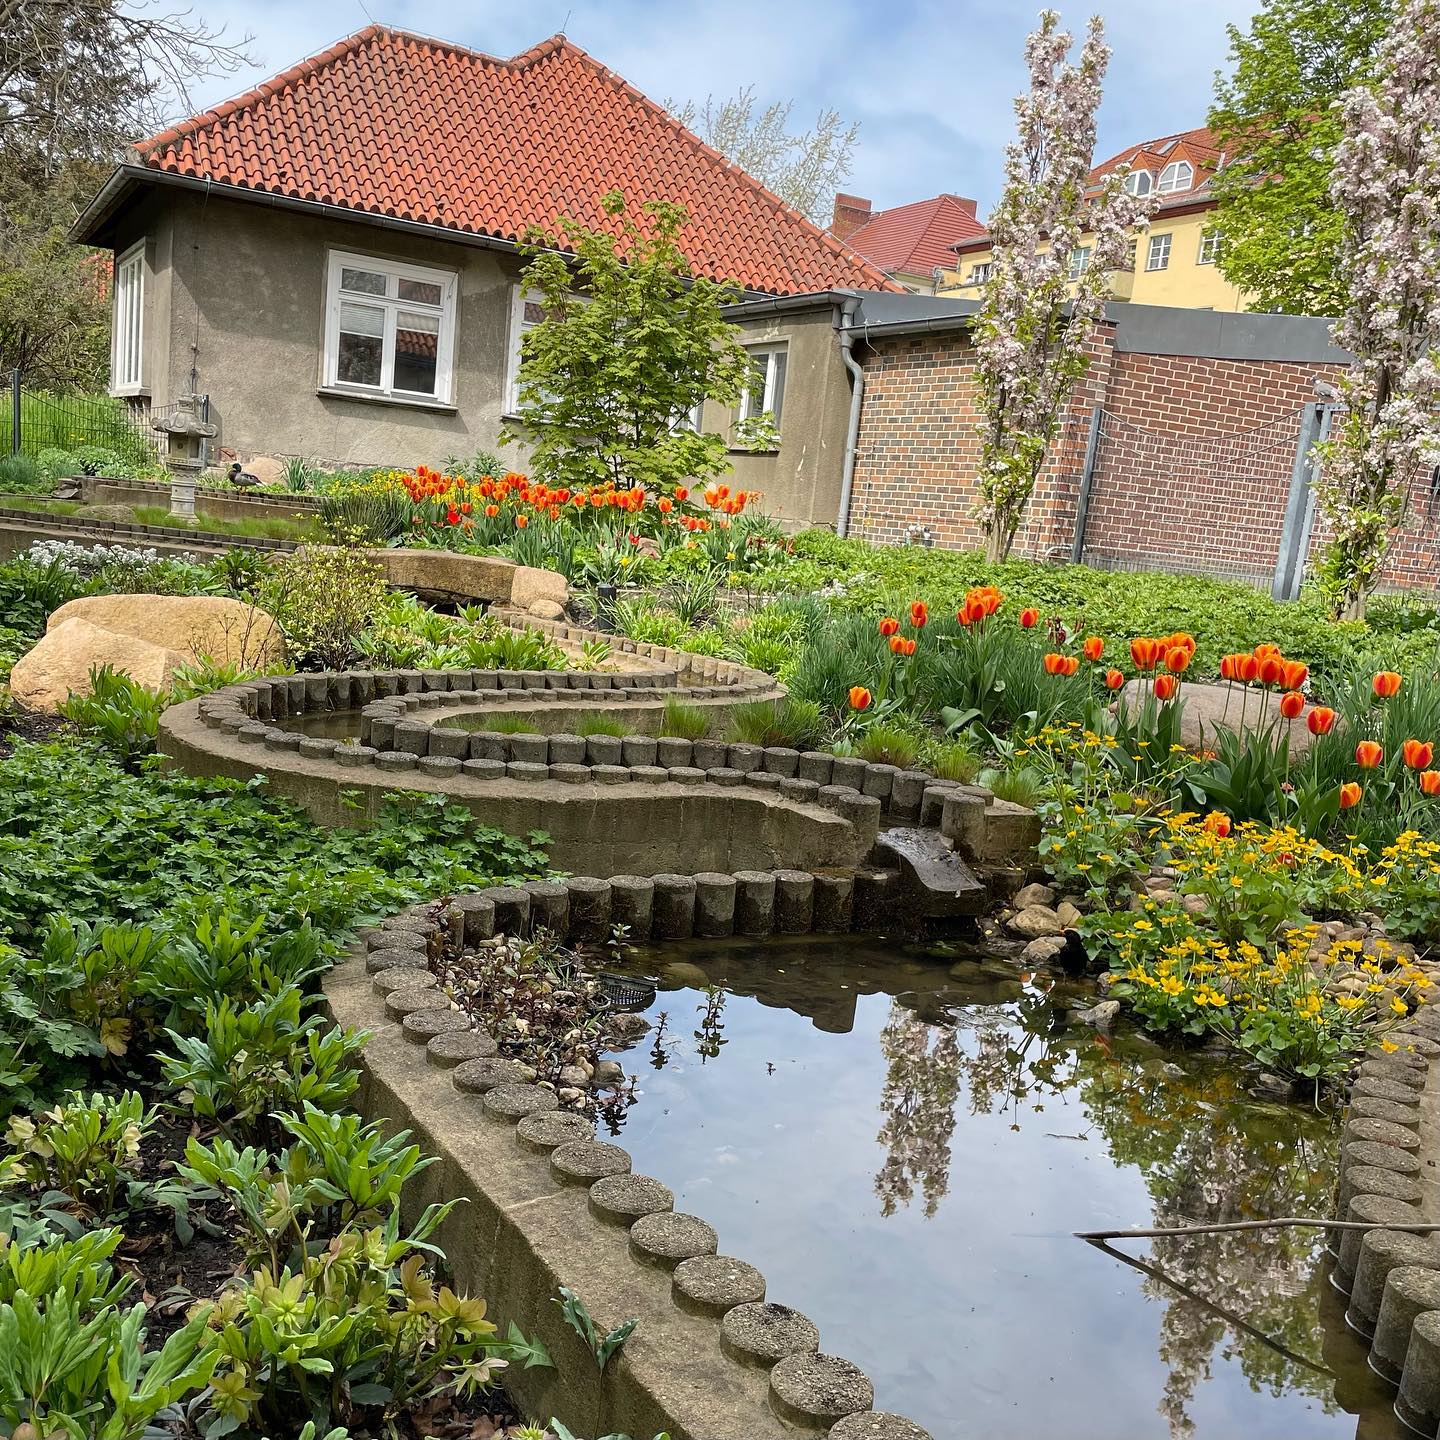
x,y
1193,466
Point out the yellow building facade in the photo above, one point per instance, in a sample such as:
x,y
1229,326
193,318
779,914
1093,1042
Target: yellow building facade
x,y
1173,259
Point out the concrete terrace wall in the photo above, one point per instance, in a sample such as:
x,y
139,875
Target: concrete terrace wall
x,y
1194,462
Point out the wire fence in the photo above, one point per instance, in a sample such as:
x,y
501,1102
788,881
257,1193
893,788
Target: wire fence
x,y
32,421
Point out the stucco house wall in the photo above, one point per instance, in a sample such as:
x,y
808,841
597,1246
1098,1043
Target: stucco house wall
x,y
238,292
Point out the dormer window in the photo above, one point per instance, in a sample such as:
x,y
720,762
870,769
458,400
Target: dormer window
x,y
1139,182
1177,175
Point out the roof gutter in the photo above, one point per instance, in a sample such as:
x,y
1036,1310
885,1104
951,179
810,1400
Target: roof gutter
x,y
848,307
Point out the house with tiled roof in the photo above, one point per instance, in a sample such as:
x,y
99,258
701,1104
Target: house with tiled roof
x,y
914,244
334,256
1172,260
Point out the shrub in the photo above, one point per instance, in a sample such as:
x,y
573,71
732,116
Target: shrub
x,y
122,714
20,474
367,512
323,599
788,722
683,721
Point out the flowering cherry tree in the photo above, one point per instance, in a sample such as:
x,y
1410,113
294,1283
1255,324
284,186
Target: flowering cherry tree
x,y
1029,342
1387,186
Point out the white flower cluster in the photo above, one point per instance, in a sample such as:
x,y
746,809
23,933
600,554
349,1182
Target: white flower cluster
x,y
87,561
1035,320
1386,182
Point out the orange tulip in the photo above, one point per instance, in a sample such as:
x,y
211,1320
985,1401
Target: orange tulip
x,y
521,521
1417,754
1430,782
1177,658
919,614
1144,652
682,495
889,626
1368,754
1029,618
1094,647
1294,674
1292,702
1321,720
1071,665
1247,668
899,645
1272,670
1113,679
1227,667
1266,651
491,511
1218,823
1386,684
1054,664
664,505
1350,793
860,698
1165,686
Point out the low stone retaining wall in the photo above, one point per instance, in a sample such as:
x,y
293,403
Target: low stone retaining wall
x,y
713,1357
20,529
220,502
1390,1175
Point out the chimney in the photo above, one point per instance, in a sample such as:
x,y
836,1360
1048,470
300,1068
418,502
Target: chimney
x,y
851,212
966,204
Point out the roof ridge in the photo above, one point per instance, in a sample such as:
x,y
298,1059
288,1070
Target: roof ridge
x,y
621,83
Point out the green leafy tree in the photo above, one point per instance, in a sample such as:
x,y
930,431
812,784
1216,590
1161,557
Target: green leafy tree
x,y
631,342
1276,120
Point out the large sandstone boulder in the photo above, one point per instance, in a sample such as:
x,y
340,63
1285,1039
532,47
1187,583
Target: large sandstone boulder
x,y
1208,708
446,575
227,631
531,585
60,663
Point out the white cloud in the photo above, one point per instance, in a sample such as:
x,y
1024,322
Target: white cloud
x,y
931,83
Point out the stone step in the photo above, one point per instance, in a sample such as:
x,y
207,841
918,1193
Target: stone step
x,y
935,882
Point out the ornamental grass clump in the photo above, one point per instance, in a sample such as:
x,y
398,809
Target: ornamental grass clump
x,y
680,721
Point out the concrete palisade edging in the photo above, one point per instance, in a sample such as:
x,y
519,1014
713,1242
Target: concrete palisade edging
x,y
713,1357
1389,1175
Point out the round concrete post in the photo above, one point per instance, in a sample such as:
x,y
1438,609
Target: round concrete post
x,y
589,907
834,904
512,909
674,907
714,904
549,908
754,902
1382,1251
1418,1403
795,900
1409,1292
632,899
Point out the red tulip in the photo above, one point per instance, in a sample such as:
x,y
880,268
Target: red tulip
x,y
1113,679
1295,674
1029,619
889,626
1321,720
1292,702
1145,652
1417,754
1165,686
1177,659
860,698
1386,684
919,614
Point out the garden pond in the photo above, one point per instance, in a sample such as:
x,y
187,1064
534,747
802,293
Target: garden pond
x,y
903,1141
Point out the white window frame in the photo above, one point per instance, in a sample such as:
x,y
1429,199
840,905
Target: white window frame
x,y
1134,185
1177,175
1209,251
1157,256
763,358
127,328
449,283
981,272
1079,260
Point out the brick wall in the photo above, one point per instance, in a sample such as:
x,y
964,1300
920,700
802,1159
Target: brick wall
x,y
1192,473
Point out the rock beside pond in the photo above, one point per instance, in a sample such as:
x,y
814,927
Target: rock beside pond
x,y
230,632
1044,950
60,663
1101,1016
608,1072
1068,914
1208,708
627,1027
1035,894
685,976
1034,921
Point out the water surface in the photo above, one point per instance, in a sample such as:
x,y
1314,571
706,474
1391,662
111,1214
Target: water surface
x,y
904,1152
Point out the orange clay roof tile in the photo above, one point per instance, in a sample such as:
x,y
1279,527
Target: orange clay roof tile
x,y
390,123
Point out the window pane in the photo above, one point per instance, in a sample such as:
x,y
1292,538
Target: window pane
x,y
363,282
417,341
532,313
422,292
777,387
362,343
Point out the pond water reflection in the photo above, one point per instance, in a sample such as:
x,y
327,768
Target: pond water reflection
x,y
904,1144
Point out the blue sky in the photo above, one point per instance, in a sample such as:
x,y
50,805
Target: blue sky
x,y
930,83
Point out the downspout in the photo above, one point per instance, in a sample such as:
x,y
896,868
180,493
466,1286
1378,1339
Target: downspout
x,y
848,308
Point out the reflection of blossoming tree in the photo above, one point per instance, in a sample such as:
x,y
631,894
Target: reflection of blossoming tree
x,y
1206,1153
918,1101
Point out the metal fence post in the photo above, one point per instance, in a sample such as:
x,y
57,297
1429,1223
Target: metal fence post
x,y
15,411
1087,476
1295,531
